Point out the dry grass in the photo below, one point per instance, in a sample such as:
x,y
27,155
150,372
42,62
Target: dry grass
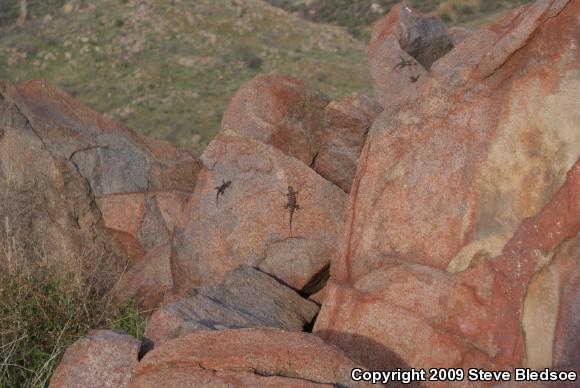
x,y
42,313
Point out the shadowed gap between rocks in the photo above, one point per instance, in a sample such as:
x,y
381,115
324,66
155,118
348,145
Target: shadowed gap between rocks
x,y
316,284
314,160
359,347
309,327
146,346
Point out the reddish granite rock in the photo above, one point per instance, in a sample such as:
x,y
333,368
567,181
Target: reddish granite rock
x,y
281,111
481,162
149,280
250,225
424,317
244,357
404,34
452,173
142,221
458,34
246,298
319,296
101,359
345,129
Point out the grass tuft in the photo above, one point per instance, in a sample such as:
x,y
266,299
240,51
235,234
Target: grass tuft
x,y
42,313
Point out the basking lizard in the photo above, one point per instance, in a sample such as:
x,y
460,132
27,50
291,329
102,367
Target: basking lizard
x,y
292,205
404,63
221,190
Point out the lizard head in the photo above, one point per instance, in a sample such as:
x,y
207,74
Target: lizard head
x,y
290,189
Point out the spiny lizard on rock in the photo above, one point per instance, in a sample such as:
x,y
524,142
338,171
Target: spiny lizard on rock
x,y
221,190
292,204
404,63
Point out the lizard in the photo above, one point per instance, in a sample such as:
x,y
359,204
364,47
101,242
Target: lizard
x,y
221,189
292,205
414,78
404,63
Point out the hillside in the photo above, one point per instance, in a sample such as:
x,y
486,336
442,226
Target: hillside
x,y
358,16
167,69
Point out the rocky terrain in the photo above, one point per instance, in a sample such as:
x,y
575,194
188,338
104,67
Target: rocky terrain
x,y
432,222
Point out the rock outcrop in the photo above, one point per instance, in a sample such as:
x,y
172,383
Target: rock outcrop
x,y
149,281
449,229
565,271
458,34
44,202
249,224
246,298
113,159
103,359
281,111
463,193
242,358
139,183
79,167
142,221
403,46
346,125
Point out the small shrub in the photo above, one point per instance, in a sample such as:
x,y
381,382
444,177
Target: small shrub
x,y
247,55
41,314
321,76
446,18
466,10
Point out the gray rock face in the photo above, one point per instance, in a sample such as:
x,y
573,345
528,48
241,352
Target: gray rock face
x,y
114,159
403,46
57,156
246,298
425,38
45,204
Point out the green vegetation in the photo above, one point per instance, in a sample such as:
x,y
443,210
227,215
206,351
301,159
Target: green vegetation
x,y
41,314
358,16
168,68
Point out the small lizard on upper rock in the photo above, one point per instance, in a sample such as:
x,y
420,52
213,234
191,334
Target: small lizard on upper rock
x,y
292,205
404,63
221,190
